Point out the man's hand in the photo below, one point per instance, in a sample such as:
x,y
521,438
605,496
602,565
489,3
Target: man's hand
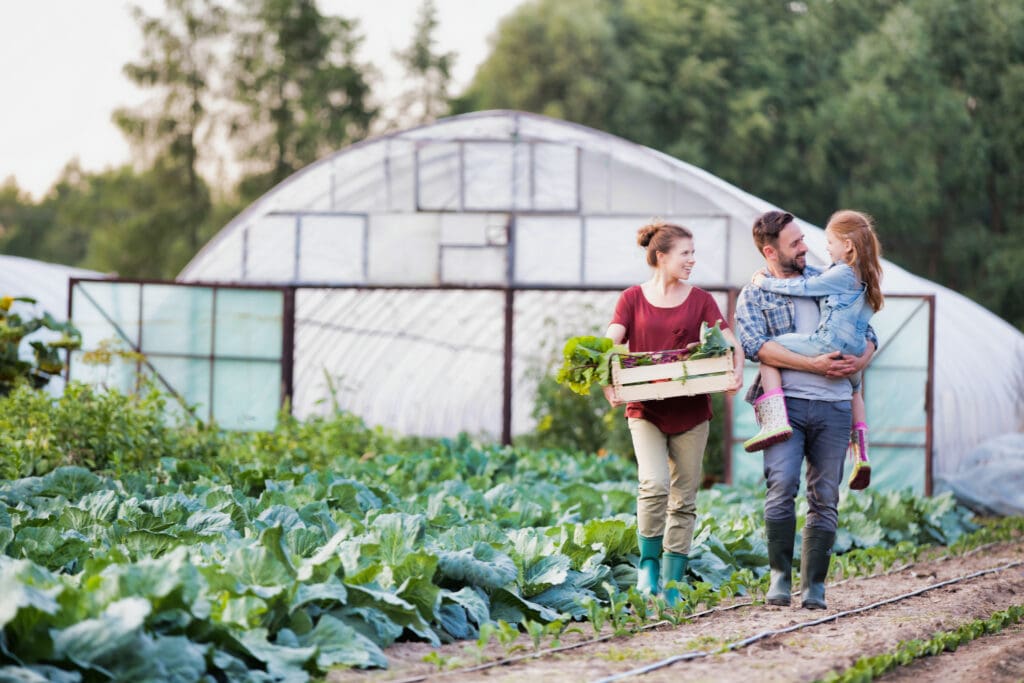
x,y
842,366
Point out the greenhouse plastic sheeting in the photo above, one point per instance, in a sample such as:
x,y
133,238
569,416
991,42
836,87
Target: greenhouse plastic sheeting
x,y
218,349
511,199
990,479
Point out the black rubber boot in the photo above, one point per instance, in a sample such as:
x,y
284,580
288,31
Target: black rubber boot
x,y
814,561
780,560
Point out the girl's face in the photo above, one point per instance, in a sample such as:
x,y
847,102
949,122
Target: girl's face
x,y
678,261
839,248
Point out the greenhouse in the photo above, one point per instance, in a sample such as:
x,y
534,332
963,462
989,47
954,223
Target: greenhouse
x,y
423,279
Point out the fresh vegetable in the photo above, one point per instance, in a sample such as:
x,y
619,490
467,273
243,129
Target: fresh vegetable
x,y
588,359
712,342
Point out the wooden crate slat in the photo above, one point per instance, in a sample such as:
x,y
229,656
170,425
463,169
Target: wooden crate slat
x,y
648,373
648,382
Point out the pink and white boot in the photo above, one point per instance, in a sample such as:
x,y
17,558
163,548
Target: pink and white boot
x,y
860,477
770,411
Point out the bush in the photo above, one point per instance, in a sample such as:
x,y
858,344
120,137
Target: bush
x,y
113,433
101,430
46,353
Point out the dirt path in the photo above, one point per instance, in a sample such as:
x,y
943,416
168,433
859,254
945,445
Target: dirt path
x,y
802,655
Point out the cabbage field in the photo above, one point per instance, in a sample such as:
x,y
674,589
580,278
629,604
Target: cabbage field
x,y
133,549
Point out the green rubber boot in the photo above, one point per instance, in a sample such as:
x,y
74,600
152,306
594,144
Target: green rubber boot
x,y
649,571
814,561
675,569
780,560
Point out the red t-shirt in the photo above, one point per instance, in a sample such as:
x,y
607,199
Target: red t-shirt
x,y
653,328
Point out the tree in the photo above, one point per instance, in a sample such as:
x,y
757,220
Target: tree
x,y
24,224
299,90
430,71
923,132
117,221
560,58
137,219
906,109
179,59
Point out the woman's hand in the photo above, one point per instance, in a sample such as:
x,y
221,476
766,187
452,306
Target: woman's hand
x,y
737,384
609,393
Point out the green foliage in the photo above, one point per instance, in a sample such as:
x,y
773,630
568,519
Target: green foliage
x,y
907,111
428,70
712,342
104,431
568,422
46,351
296,551
179,58
585,363
24,224
868,668
302,93
561,59
135,223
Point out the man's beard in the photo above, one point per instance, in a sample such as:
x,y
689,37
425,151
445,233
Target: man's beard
x,y
792,265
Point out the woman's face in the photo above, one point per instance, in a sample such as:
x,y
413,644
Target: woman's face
x,y
679,260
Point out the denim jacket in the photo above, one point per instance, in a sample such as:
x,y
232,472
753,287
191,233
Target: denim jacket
x,y
762,314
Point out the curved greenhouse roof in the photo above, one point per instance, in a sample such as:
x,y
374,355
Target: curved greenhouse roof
x,y
407,246
47,283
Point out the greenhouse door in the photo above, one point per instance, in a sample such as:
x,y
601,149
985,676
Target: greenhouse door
x,y
224,351
898,394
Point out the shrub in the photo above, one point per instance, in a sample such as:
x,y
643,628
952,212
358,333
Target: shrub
x,y
46,353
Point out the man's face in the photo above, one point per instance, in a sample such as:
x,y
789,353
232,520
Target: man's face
x,y
792,250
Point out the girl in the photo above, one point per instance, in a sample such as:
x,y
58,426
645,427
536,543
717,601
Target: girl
x,y
669,436
851,293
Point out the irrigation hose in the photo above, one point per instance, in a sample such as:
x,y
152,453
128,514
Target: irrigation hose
x,y
505,661
699,654
554,650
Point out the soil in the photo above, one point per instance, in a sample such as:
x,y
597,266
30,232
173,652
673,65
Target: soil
x,y
807,654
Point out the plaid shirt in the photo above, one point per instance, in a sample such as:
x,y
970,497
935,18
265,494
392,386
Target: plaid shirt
x,y
762,315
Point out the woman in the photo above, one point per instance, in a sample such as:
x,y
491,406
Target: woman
x,y
669,435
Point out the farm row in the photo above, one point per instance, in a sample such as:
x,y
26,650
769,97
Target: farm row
x,y
272,558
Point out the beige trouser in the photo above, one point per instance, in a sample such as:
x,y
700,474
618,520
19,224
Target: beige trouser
x,y
669,473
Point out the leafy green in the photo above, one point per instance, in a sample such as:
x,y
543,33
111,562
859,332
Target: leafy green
x,y
271,568
481,565
712,342
585,361
338,643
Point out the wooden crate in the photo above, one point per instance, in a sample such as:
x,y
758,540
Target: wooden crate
x,y
653,382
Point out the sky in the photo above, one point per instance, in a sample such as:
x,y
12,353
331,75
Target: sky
x,y
62,71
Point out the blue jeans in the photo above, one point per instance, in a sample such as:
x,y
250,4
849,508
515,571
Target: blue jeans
x,y
821,432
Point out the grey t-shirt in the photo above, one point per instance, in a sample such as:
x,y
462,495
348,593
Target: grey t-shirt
x,y
800,384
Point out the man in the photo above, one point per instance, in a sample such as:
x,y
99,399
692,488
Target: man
x,y
818,397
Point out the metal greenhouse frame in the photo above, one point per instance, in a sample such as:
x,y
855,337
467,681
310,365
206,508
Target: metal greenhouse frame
x,y
228,317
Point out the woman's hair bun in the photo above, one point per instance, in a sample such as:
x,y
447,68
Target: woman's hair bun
x,y
645,234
